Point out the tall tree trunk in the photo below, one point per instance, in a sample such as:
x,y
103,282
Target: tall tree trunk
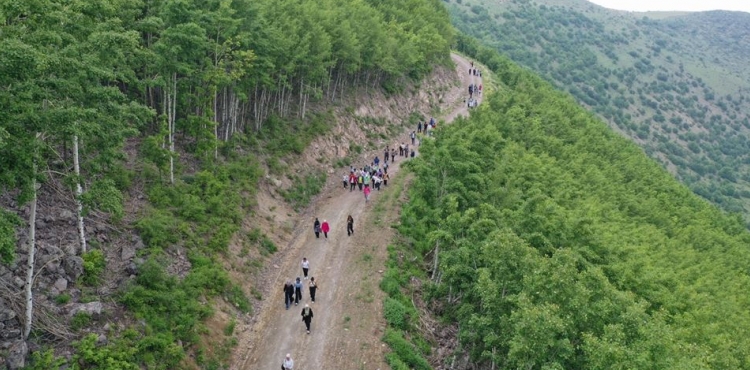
x,y
79,193
435,261
172,99
32,250
216,125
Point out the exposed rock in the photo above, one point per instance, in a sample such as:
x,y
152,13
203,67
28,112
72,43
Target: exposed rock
x,y
7,314
128,252
138,242
101,340
132,268
10,333
66,215
73,267
17,355
91,308
70,249
40,224
18,281
61,284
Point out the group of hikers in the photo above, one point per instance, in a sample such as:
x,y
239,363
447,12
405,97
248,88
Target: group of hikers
x,y
474,88
375,174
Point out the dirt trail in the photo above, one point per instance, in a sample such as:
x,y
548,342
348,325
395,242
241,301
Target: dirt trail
x,y
347,323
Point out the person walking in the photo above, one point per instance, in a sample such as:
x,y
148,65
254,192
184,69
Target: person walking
x,y
360,180
412,153
297,291
376,161
413,137
393,155
386,176
386,152
307,315
419,127
288,363
305,266
345,180
288,293
352,181
367,194
316,228
326,228
349,225
313,288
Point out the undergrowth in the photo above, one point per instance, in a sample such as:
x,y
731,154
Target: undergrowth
x,y
409,348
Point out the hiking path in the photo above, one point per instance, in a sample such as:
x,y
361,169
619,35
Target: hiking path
x,y
348,321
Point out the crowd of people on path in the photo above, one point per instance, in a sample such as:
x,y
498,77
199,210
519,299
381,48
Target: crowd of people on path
x,y
474,89
374,174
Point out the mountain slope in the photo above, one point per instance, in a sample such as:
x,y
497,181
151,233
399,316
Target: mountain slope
x,y
674,83
545,240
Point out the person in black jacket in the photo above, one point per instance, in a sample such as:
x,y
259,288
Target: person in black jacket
x,y
316,228
307,315
313,288
349,225
297,291
288,293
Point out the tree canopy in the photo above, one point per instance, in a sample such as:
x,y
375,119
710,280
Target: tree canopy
x,y
563,246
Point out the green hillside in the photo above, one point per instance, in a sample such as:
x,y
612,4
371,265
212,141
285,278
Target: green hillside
x,y
141,130
675,83
555,243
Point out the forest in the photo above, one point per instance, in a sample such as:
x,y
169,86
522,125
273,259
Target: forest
x,y
672,83
172,107
548,241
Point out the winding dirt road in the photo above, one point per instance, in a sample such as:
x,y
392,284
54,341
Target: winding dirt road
x,y
348,324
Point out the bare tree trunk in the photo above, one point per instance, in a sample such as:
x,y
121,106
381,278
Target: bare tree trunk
x,y
32,250
256,116
435,261
328,87
216,126
79,193
171,117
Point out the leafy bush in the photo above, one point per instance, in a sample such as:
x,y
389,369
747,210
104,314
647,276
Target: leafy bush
x,y
395,313
44,360
93,266
405,351
8,224
80,320
303,190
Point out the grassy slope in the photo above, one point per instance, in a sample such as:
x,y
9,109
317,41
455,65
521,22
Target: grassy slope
x,y
672,82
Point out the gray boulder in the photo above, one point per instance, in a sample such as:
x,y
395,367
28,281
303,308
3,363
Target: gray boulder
x,y
17,355
91,308
61,284
73,267
128,252
7,314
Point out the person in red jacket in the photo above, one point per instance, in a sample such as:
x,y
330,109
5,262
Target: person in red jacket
x,y
325,228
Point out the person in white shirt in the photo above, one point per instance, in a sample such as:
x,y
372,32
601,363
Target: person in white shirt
x,y
288,363
305,266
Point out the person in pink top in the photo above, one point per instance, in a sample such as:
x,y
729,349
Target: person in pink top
x,y
325,228
367,194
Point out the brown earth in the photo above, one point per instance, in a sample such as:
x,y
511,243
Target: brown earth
x,y
348,320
